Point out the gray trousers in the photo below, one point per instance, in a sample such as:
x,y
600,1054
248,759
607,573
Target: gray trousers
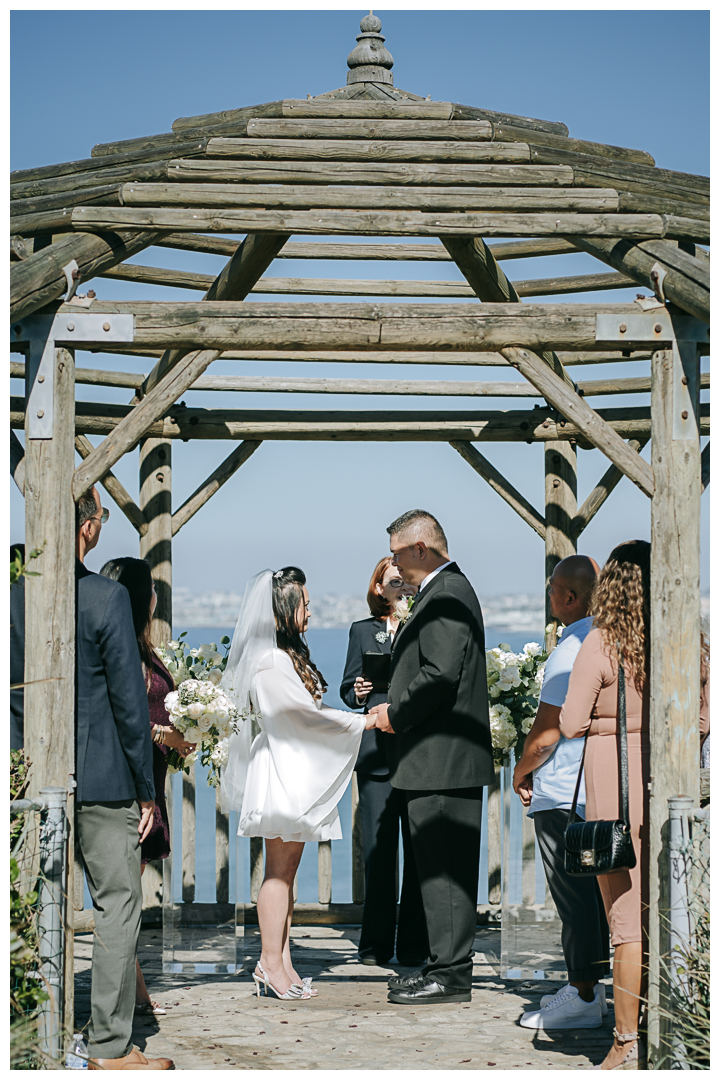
x,y
445,833
585,936
109,842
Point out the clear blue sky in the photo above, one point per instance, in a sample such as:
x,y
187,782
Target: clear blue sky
x,y
631,78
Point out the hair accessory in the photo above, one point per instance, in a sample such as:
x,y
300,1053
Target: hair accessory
x,y
278,574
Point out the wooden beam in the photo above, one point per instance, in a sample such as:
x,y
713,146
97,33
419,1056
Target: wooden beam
x,y
369,197
40,279
183,279
705,467
17,462
91,164
504,488
390,223
291,150
214,482
351,326
218,245
686,280
558,394
115,489
493,425
674,676
488,281
175,372
601,492
560,507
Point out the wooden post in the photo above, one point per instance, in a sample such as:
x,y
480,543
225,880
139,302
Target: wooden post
x,y
674,636
156,544
560,509
358,858
50,617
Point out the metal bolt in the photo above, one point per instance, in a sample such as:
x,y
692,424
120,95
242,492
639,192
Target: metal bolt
x,y
556,483
684,414
623,327
41,378
678,581
91,294
40,414
684,380
658,328
106,326
71,326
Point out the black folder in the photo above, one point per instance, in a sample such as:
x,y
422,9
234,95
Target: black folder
x,y
376,669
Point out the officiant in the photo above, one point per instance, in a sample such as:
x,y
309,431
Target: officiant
x,y
382,810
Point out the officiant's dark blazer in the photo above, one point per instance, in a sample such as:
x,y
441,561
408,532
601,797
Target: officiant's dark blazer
x,y
114,747
372,759
438,699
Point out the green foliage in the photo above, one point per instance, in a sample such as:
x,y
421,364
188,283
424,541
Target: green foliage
x,y
19,569
26,989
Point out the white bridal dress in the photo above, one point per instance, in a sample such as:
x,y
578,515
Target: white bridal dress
x,y
300,763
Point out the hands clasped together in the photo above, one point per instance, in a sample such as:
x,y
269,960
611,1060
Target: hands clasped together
x,y
378,716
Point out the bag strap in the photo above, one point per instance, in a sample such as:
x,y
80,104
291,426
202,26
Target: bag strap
x,y
622,721
573,814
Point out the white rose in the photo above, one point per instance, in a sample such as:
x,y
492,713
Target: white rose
x,y
193,735
195,710
205,722
215,675
171,700
495,690
509,678
526,724
532,648
402,608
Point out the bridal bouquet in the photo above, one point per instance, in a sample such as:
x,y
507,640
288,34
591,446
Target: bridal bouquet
x,y
198,709
514,682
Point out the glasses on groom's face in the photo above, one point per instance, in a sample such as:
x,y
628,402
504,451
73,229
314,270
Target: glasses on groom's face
x,y
102,517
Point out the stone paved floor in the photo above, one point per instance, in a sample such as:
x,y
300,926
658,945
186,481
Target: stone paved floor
x,y
214,1021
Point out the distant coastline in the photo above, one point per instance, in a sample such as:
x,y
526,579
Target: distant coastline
x,y
511,612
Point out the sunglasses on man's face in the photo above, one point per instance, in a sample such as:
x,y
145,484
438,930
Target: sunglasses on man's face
x,y
102,518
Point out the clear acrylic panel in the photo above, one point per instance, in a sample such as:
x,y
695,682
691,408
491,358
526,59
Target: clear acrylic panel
x,y
530,938
205,937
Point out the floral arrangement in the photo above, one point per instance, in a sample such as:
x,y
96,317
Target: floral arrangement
x,y
198,709
514,683
403,609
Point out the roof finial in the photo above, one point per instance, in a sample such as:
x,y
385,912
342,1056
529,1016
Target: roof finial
x,y
370,61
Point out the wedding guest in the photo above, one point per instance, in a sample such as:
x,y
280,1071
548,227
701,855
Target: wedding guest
x,y
545,778
621,609
135,575
299,765
382,809
115,794
17,655
440,755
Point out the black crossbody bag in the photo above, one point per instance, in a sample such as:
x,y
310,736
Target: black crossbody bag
x,y
602,847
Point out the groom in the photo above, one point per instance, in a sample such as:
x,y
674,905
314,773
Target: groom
x,y
438,709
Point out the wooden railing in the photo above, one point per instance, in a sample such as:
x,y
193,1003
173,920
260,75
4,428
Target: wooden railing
x,y
152,878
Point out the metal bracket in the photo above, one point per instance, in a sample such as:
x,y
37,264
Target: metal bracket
x,y
43,334
73,276
666,330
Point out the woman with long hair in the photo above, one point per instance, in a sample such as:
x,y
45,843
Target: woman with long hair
x,y
135,575
621,630
382,809
300,763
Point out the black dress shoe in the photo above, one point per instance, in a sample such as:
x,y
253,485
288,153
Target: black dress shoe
x,y
397,982
427,992
373,958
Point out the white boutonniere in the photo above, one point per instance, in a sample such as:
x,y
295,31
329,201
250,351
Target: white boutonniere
x,y
403,610
381,636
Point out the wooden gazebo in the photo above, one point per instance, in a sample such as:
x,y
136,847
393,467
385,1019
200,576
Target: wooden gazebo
x,y
369,161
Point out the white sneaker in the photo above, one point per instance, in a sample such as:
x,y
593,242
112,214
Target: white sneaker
x,y
599,992
566,1009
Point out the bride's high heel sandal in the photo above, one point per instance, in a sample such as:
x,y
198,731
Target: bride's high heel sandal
x,y
635,1057
293,993
306,985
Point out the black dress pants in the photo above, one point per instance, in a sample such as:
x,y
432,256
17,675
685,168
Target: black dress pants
x,y
445,833
585,936
382,809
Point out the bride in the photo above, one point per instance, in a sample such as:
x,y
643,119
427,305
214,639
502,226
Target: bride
x,y
288,784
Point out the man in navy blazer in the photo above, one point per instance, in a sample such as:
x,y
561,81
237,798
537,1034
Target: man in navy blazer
x,y
115,794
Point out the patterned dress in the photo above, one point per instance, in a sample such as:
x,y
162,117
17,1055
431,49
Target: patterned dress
x,y
157,844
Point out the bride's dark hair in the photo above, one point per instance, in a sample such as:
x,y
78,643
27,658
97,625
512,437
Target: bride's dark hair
x,y
287,597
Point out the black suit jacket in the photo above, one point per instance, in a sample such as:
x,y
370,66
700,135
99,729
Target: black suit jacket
x,y
17,662
372,759
114,747
438,700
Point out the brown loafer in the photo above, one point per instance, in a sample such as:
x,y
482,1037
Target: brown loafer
x,y
134,1060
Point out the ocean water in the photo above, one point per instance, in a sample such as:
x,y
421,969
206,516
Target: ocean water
x,y
328,649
